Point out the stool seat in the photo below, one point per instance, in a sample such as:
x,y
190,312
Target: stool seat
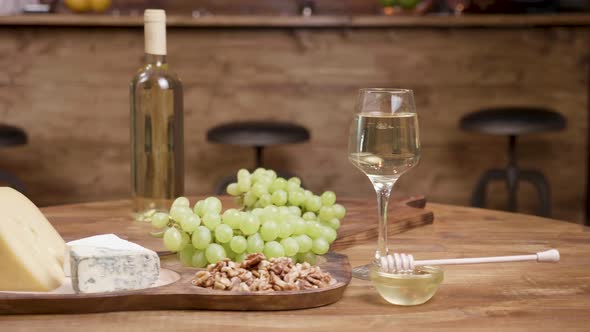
x,y
513,121
258,133
11,136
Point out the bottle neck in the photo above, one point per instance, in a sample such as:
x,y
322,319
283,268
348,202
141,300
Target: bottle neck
x,y
157,60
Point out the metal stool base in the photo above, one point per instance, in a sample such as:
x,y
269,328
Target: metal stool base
x,y
512,175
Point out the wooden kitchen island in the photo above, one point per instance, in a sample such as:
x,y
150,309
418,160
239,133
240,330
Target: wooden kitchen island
x,y
508,297
65,81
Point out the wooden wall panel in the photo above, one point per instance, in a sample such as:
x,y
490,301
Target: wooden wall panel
x,y
68,88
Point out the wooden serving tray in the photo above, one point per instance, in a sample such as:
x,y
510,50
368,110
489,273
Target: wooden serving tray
x,y
77,221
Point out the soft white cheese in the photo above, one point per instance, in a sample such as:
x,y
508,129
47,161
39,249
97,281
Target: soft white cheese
x,y
106,263
31,250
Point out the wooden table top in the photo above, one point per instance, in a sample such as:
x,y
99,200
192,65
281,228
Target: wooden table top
x,y
513,296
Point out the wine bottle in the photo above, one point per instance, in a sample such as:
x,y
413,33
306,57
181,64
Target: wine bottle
x,y
157,152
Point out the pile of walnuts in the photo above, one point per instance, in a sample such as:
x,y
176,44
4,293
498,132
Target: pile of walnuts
x,y
257,274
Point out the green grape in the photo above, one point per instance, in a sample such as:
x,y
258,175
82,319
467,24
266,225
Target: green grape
x,y
184,240
295,210
238,244
229,253
278,184
212,205
320,246
257,212
295,180
250,199
264,180
334,223
244,184
232,218
172,239
299,226
293,259
296,198
290,246
292,186
186,255
271,174
201,237
179,212
199,259
284,211
326,213
271,211
160,220
307,194
239,200
250,224
259,172
309,257
304,242
265,200
233,189
273,249
190,222
243,174
286,228
255,243
279,197
339,211
223,233
329,234
328,198
240,257
215,253
313,203
259,189
309,216
313,229
181,201
269,230
211,220
198,208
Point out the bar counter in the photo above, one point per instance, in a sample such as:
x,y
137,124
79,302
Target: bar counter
x,y
66,83
260,21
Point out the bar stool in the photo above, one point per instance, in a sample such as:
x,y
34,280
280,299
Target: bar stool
x,y
512,122
11,136
257,135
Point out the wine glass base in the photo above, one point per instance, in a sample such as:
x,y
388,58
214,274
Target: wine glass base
x,y
361,272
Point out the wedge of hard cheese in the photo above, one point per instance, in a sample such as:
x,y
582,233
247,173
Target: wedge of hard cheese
x,y
107,263
31,250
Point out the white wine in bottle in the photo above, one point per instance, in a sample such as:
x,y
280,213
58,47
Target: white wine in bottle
x,y
157,152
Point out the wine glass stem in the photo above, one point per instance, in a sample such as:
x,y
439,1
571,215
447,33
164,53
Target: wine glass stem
x,y
383,186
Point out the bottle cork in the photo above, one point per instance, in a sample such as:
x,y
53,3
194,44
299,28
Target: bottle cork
x,y
155,31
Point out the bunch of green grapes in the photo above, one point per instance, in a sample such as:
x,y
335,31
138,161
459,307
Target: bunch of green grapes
x,y
277,218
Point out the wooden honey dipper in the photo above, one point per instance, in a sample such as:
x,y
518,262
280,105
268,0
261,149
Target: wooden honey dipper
x,y
394,263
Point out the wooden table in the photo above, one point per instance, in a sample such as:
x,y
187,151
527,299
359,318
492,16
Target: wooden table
x,y
517,296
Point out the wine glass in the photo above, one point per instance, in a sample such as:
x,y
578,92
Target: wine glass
x,y
383,143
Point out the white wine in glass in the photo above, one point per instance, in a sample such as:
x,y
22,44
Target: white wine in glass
x,y
383,143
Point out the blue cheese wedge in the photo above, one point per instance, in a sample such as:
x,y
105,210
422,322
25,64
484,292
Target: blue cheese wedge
x,y
106,263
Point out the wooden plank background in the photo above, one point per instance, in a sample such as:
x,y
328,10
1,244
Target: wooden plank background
x,y
68,87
